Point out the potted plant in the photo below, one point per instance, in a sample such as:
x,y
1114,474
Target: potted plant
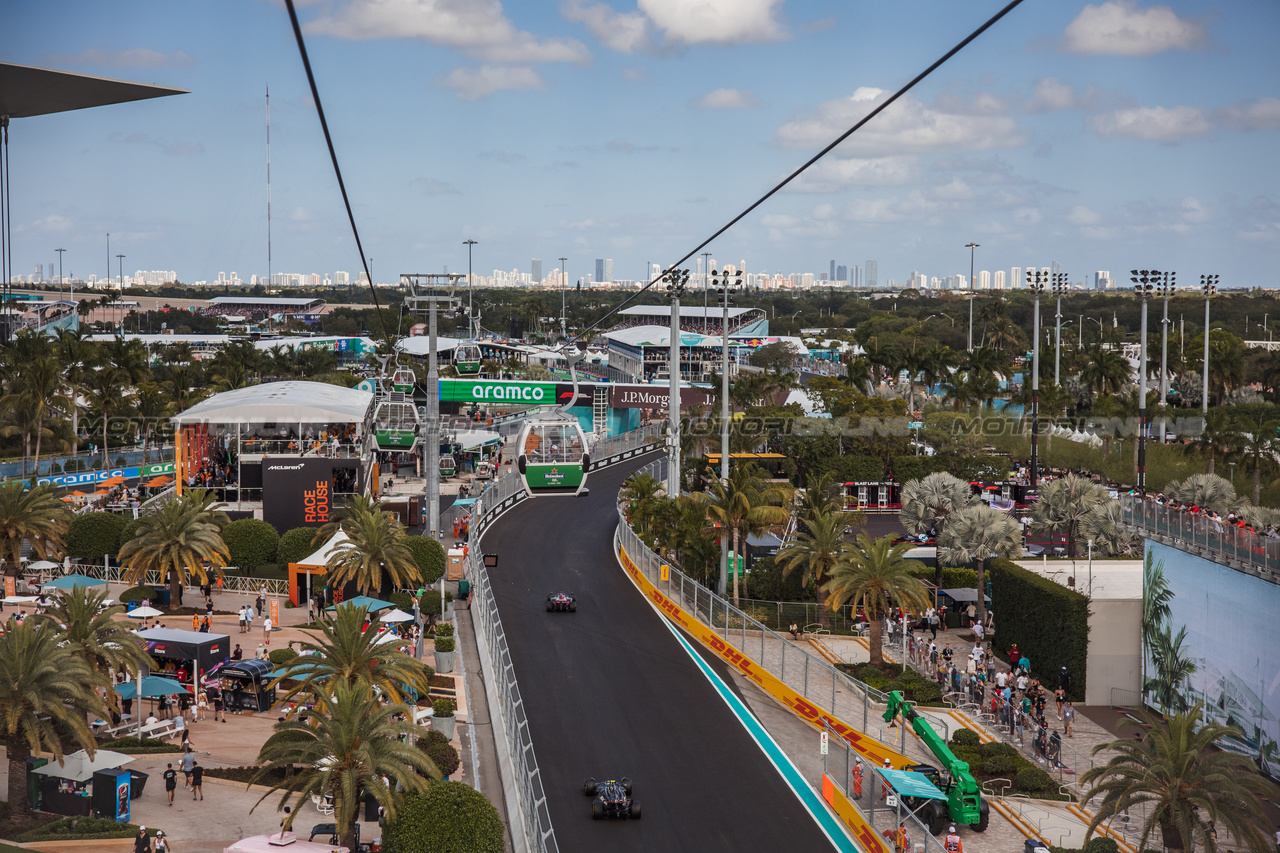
x,y
442,719
445,648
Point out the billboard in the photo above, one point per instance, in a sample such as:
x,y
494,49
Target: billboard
x,y
497,391
1205,630
652,396
299,492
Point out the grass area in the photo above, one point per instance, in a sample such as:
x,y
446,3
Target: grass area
x,y
891,676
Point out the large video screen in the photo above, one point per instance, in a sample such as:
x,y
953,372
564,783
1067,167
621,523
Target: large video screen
x,y
1206,637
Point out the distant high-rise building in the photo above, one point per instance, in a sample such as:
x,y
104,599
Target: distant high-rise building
x,y
1057,268
873,273
842,273
608,269
39,272
1101,280
599,269
1015,278
832,275
535,270
998,280
984,280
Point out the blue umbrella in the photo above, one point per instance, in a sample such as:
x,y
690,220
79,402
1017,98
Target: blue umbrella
x,y
152,686
70,581
371,604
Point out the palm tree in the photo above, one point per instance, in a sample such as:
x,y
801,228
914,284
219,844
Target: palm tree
x,y
356,505
1173,667
106,398
36,388
344,747
1104,526
342,652
1205,490
875,576
374,554
1218,436
936,365
1106,372
1258,441
816,549
91,631
1184,777
182,541
46,691
976,534
745,504
1063,504
149,404
927,502
33,515
642,490
819,496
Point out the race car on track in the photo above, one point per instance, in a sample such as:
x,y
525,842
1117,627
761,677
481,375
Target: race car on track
x,y
561,601
612,798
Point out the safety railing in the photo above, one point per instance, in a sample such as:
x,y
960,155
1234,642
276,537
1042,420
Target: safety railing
x,y
882,809
231,582
1212,539
822,684
610,451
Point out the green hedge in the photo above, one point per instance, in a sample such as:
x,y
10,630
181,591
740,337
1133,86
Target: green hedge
x,y
430,557
429,603
1049,622
295,545
80,828
450,818
913,686
142,745
280,657
952,577
139,593
251,542
93,534
402,600
441,752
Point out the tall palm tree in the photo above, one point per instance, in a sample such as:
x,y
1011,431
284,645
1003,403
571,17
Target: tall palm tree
x,y
348,742
936,365
182,541
1258,441
746,504
1173,665
341,651
37,388
1106,372
1104,526
1219,436
150,404
820,495
374,555
1063,504
34,515
1187,782
643,491
875,576
1206,490
46,693
107,398
89,627
355,506
976,534
929,501
816,549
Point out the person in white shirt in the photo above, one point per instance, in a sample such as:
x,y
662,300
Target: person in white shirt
x,y
266,630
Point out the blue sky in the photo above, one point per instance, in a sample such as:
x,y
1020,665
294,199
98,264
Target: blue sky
x,y
1104,136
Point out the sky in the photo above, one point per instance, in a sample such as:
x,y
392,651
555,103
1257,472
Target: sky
x,y
1104,136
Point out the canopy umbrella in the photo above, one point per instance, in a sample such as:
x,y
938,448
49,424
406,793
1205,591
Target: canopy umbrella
x,y
113,481
19,599
152,686
909,783
373,605
155,482
71,581
79,493
144,612
79,767
396,615
40,565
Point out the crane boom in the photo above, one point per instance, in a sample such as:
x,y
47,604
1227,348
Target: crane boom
x,y
964,798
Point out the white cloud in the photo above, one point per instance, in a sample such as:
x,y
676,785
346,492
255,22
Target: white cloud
x,y
472,84
1052,94
52,224
728,99
715,21
1081,215
1262,114
1028,216
832,174
625,32
1120,28
479,28
138,57
1193,210
1152,124
954,190
906,126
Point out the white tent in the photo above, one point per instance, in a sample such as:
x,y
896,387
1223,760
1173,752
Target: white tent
x,y
79,767
321,558
475,439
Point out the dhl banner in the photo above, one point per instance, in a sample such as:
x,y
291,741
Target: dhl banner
x,y
867,746
857,825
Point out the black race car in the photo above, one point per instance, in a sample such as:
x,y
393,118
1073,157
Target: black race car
x,y
561,601
612,798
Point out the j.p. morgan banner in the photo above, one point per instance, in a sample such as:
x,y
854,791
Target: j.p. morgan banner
x,y
495,391
651,396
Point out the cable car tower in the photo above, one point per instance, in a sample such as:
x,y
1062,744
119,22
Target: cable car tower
x,y
553,456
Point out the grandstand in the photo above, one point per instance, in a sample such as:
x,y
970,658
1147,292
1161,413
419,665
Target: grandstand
x,y
704,321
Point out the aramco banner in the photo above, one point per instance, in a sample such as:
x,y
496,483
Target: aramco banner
x,y
497,391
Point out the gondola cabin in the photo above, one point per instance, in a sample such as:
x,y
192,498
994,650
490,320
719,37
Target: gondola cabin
x,y
467,358
403,380
395,424
448,466
553,457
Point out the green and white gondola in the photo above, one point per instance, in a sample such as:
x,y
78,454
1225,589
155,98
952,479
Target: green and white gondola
x,y
467,358
395,424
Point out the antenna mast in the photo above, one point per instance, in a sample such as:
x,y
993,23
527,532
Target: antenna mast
x,y
268,185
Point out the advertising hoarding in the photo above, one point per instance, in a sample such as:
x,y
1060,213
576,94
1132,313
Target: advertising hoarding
x,y
298,492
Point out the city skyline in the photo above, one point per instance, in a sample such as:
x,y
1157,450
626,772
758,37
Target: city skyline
x,y
1102,136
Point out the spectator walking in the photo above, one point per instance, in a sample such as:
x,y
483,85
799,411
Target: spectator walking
x,y
197,781
1069,717
170,782
266,630
188,764
162,843
243,619
142,841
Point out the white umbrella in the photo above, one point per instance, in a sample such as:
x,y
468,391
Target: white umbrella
x,y
19,599
144,612
389,638
40,565
79,767
396,616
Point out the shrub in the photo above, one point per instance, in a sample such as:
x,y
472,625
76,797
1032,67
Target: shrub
x,y
402,600
141,745
1101,844
280,657
429,556
79,828
928,693
130,529
444,707
966,737
444,756
998,764
1048,621
295,545
429,603
1032,779
250,542
93,534
444,629
73,465
445,644
450,817
995,747
119,463
139,593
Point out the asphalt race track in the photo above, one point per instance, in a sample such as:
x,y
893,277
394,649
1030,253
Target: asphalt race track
x,y
610,693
